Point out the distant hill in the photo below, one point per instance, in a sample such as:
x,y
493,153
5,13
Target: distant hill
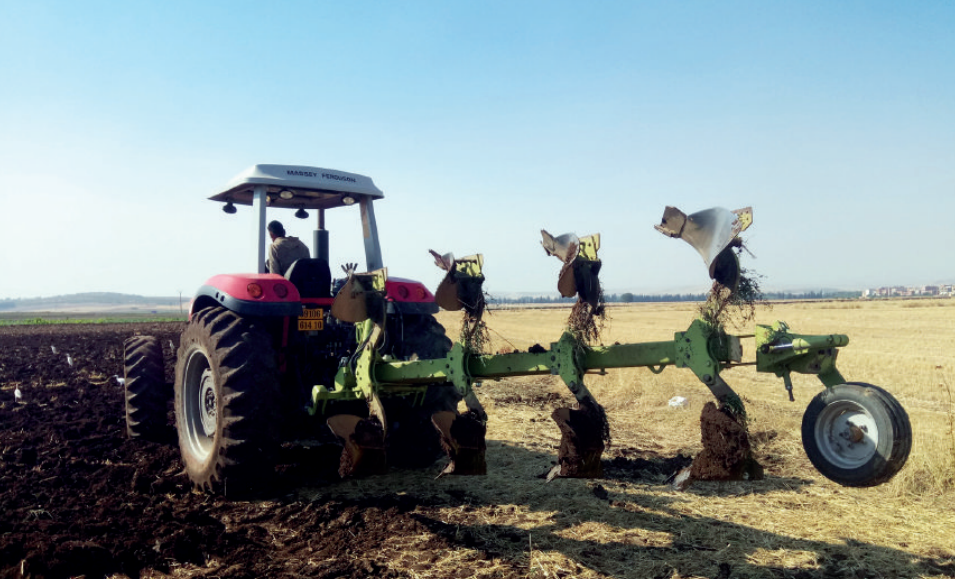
x,y
95,302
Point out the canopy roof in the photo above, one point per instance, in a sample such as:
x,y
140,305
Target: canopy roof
x,y
297,186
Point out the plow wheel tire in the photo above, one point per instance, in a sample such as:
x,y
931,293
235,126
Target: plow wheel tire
x,y
146,393
227,403
856,434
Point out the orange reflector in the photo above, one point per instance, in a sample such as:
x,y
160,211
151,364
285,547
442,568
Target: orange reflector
x,y
254,289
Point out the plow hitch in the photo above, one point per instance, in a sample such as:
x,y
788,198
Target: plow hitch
x,y
361,301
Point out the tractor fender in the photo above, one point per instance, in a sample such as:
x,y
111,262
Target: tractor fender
x,y
249,294
407,296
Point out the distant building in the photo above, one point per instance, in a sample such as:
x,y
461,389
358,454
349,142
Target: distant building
x,y
944,290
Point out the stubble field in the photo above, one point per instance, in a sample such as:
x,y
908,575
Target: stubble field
x,y
77,498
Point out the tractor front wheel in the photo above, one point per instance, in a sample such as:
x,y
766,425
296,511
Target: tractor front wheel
x,y
227,400
857,435
146,392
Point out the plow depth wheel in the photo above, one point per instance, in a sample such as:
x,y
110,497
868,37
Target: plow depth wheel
x,y
146,392
227,398
856,434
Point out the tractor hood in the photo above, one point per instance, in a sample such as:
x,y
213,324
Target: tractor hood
x,y
297,186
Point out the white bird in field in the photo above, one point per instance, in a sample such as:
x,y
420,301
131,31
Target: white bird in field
x,y
69,360
53,348
171,345
120,379
17,395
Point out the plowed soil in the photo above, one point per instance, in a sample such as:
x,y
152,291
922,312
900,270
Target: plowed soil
x,y
78,498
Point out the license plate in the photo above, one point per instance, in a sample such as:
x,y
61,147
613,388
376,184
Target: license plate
x,y
311,320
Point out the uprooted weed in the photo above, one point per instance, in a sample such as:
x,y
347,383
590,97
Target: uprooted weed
x,y
587,321
474,331
737,307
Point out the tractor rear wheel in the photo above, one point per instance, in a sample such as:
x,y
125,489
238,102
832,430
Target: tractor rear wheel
x,y
227,402
412,440
146,393
856,434
422,337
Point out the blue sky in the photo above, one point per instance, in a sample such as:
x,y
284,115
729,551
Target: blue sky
x,y
483,122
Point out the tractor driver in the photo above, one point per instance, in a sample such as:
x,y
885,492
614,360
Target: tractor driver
x,y
285,250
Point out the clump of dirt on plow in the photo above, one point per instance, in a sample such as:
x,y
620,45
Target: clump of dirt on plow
x,y
463,440
727,453
585,433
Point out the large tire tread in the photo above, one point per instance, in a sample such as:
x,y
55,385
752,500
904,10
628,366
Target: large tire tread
x,y
146,393
246,441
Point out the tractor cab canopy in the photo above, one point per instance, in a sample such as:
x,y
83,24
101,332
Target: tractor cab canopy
x,y
298,187
304,188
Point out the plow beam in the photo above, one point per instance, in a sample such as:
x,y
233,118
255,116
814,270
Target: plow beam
x,y
704,349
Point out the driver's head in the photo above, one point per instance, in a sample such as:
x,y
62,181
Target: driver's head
x,y
276,229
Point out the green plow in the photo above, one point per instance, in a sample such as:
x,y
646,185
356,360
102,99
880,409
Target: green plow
x,y
704,348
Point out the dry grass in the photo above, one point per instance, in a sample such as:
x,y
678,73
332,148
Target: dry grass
x,y
795,523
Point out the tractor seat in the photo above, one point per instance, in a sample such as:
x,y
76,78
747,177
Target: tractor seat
x,y
312,277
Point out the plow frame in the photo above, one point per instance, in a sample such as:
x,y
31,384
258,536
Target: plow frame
x,y
848,429
703,348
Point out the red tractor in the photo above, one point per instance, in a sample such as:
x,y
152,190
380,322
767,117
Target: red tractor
x,y
256,343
